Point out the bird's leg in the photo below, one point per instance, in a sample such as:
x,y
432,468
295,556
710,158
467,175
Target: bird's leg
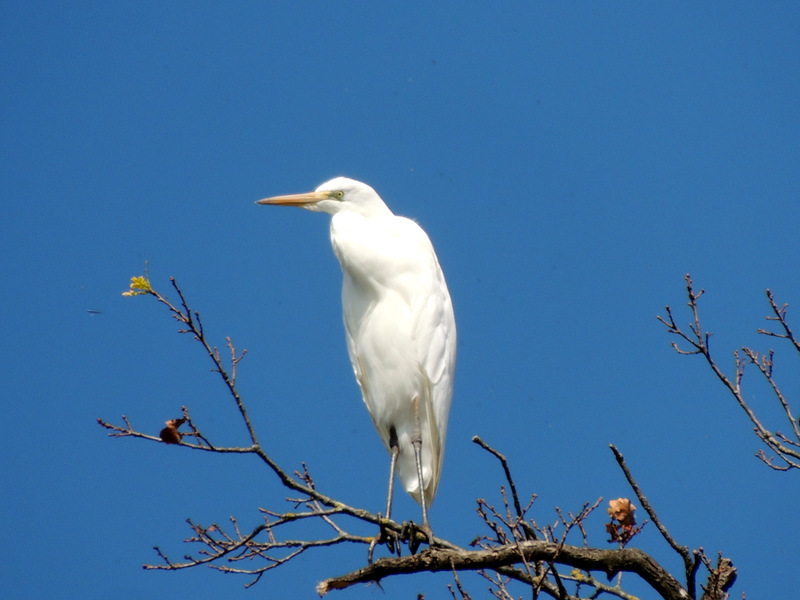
x,y
385,535
416,442
394,451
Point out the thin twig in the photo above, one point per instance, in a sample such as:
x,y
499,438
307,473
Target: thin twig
x,y
698,342
530,533
780,316
683,551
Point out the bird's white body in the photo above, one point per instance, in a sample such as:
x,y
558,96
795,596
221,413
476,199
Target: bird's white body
x,y
399,322
401,334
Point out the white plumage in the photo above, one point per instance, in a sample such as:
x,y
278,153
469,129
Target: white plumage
x,y
399,323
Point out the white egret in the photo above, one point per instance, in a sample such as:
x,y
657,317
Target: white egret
x,y
400,328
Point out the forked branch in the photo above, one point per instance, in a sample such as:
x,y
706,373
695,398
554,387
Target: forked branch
x,y
785,449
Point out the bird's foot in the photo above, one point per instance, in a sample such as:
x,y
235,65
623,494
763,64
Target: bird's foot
x,y
411,533
416,534
386,536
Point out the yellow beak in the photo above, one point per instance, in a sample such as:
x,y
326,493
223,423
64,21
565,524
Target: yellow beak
x,y
296,199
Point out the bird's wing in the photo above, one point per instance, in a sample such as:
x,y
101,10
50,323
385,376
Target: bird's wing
x,y
435,338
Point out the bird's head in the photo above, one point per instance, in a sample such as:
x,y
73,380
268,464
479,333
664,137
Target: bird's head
x,y
337,195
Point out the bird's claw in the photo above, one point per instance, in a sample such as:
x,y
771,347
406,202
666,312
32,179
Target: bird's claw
x,y
412,534
386,536
415,535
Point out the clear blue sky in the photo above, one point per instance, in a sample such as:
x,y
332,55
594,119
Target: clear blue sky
x,y
570,161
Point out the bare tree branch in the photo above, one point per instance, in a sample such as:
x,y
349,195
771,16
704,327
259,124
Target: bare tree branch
x,y
513,549
690,563
589,559
784,449
780,317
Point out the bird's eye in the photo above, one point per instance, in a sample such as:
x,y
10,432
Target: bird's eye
x,y
338,194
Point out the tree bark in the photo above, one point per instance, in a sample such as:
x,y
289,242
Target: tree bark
x,y
610,562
